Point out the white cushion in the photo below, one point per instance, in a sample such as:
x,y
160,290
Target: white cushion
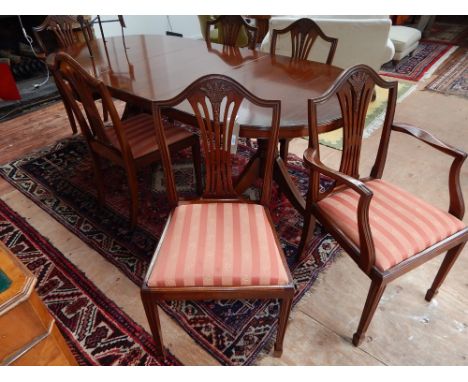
x,y
399,55
404,37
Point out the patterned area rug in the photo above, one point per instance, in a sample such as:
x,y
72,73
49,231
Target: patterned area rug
x,y
456,34
96,330
59,179
453,75
413,68
374,118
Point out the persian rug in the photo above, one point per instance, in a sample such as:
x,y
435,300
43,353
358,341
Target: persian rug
x,y
96,330
452,75
456,34
374,118
60,180
413,68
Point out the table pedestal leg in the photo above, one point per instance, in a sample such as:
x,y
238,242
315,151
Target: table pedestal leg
x,y
252,171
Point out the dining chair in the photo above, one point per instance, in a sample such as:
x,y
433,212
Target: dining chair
x,y
130,143
230,248
387,231
64,29
304,33
232,30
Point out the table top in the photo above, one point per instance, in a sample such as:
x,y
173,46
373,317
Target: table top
x,y
157,67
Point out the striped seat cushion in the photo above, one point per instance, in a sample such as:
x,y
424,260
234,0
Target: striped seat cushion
x,y
402,225
141,135
219,244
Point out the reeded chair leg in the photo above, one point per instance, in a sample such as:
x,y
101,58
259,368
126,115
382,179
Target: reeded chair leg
x,y
285,310
284,149
151,309
444,269
375,293
71,118
307,234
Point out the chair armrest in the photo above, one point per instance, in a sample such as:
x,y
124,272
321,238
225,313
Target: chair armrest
x,y
457,204
429,139
311,160
367,251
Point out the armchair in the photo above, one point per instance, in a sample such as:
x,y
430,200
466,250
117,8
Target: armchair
x,y
386,230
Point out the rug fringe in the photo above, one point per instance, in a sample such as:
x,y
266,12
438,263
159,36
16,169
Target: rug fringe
x,y
434,67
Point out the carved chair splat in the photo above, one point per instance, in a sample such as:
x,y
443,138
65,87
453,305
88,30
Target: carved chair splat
x,y
304,32
230,27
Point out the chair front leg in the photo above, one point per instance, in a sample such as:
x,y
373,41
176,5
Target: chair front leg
x,y
444,269
307,234
284,149
151,310
375,293
285,310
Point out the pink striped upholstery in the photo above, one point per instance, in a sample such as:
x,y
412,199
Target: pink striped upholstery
x,y
402,225
219,244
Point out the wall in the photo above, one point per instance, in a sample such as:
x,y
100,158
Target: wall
x,y
157,24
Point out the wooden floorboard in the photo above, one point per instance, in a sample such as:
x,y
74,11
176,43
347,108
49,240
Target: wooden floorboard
x,y
405,329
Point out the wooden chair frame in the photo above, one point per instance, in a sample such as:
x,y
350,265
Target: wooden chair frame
x,y
86,86
304,33
218,188
63,27
354,90
231,26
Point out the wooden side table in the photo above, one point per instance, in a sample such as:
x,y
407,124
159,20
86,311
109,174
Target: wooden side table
x,y
28,334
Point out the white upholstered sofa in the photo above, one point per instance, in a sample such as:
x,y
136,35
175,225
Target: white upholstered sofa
x,y
361,39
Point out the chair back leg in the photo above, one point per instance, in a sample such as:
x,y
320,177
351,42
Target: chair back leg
x,y
375,293
307,234
444,269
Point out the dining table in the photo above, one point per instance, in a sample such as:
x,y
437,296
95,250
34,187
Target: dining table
x,y
141,69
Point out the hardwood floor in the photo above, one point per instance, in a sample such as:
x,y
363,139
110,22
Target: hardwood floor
x,y
406,330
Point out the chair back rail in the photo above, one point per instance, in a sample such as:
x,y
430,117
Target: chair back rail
x,y
62,27
215,100
353,90
80,85
304,33
230,27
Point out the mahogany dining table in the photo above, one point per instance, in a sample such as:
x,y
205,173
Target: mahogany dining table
x,y
141,69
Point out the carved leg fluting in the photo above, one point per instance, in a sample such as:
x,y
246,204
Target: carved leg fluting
x,y
285,310
375,293
444,269
151,309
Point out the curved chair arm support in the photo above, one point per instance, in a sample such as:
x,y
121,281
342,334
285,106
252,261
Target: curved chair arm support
x,y
457,205
367,258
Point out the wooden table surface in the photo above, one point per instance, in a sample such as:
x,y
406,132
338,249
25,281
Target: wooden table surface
x,y
157,67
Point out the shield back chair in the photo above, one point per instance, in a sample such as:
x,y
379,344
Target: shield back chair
x,y
231,249
64,30
232,31
304,32
386,230
130,143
